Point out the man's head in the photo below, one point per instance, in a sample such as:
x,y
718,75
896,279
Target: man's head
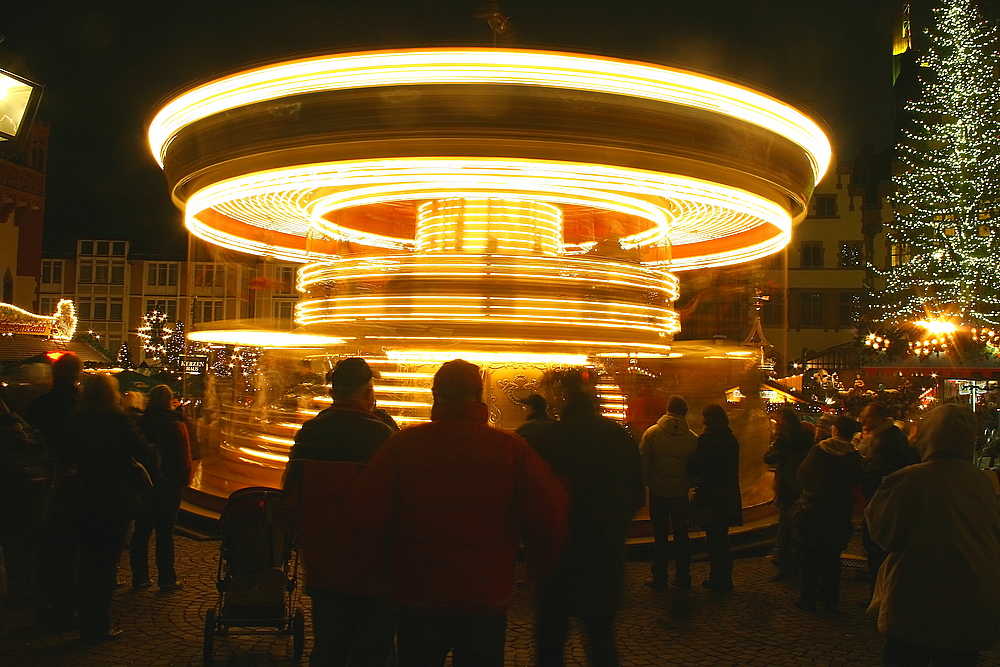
x,y
67,369
456,381
351,379
676,405
536,402
873,415
844,427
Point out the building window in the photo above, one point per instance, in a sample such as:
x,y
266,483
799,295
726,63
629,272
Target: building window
x,y
283,311
810,309
86,271
824,206
48,304
52,271
166,306
115,310
899,254
850,308
772,314
209,275
284,280
86,247
812,255
100,309
162,274
850,254
117,272
118,248
207,310
103,248
83,309
101,272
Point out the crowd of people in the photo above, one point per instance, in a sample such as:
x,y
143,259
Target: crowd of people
x,y
930,522
410,538
80,467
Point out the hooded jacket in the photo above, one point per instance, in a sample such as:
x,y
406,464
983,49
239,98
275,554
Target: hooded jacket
x,y
828,476
939,521
667,448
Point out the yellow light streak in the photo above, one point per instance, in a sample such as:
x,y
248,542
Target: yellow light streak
x,y
489,66
259,453
440,356
403,404
256,338
684,209
518,342
276,440
580,271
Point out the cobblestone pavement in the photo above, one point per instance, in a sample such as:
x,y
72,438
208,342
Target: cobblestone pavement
x,y
754,625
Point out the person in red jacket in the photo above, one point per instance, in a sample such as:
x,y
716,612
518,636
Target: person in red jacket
x,y
350,624
442,508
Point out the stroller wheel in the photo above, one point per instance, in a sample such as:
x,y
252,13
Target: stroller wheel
x,y
209,644
298,634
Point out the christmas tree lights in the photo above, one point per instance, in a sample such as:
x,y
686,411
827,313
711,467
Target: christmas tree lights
x,y
124,359
155,333
175,347
948,188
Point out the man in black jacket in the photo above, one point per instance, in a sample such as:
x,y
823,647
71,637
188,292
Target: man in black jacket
x,y
350,626
600,461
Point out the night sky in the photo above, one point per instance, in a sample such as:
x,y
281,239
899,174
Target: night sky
x,y
107,69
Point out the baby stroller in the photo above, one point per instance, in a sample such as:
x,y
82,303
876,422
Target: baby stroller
x,y
258,565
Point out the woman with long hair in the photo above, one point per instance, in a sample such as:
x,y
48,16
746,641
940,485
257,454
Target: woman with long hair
x,y
166,431
717,497
104,444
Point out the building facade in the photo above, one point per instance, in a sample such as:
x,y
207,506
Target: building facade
x,y
22,207
114,289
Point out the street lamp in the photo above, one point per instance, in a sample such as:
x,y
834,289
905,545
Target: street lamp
x,y
19,97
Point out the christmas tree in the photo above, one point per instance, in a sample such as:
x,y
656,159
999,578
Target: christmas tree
x,y
175,347
124,359
946,252
155,333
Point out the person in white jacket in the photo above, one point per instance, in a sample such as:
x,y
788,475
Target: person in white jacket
x,y
666,449
938,593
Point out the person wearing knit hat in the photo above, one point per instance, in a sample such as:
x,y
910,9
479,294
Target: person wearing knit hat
x,y
938,592
440,496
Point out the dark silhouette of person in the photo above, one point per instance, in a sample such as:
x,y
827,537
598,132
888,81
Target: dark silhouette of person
x,y
717,496
823,523
600,462
788,450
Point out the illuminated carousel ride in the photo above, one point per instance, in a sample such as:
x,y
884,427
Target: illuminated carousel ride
x,y
524,210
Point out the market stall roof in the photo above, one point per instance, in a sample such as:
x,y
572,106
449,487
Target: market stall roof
x,y
943,366
23,349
